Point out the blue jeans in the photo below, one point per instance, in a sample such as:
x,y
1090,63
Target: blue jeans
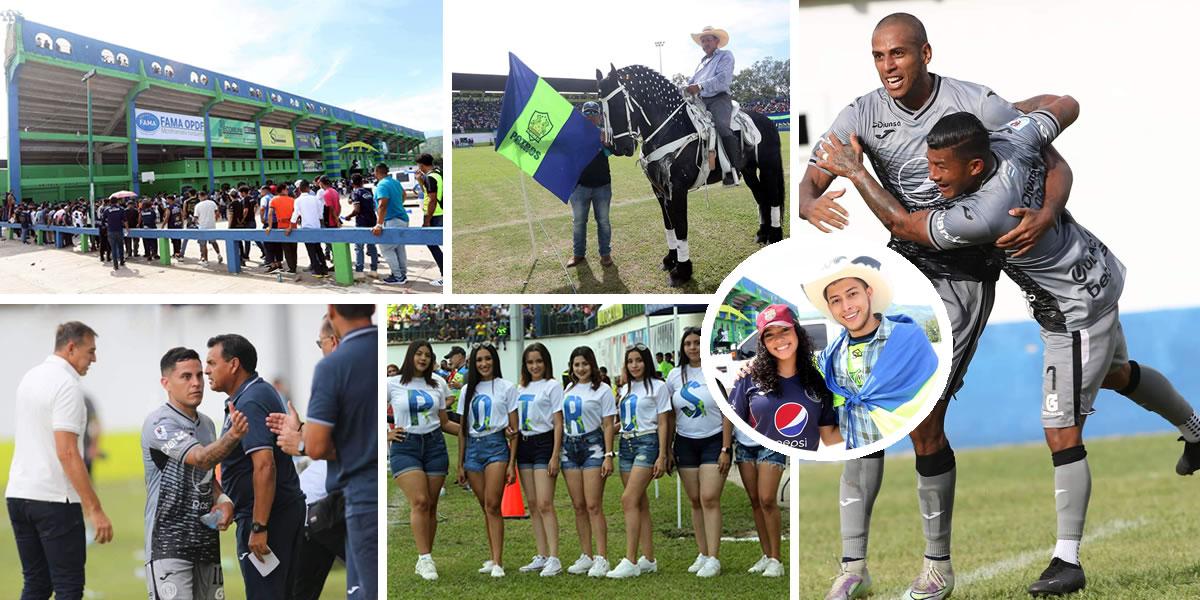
x,y
599,198
394,254
116,244
50,543
358,256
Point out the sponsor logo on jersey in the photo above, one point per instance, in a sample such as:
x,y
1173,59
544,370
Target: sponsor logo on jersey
x,y
160,432
790,419
886,132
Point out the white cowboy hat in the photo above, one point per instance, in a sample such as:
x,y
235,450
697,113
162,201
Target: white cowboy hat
x,y
721,35
862,267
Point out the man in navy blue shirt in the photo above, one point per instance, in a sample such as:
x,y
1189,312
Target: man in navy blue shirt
x,y
114,221
257,476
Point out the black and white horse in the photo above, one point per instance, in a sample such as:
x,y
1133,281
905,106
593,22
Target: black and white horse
x,y
640,105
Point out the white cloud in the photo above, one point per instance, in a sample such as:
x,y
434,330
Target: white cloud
x,y
424,111
329,72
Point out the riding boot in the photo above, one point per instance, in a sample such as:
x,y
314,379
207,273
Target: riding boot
x,y
733,149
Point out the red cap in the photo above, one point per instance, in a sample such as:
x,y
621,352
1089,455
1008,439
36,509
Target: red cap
x,y
775,315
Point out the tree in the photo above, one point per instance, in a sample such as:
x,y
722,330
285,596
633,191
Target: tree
x,y
767,78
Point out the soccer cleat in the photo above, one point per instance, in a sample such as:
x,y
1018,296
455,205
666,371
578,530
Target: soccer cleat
x,y
854,581
1061,577
711,568
599,567
935,582
774,568
497,571
759,566
1190,461
487,566
581,566
698,563
624,570
538,563
553,567
426,569
646,565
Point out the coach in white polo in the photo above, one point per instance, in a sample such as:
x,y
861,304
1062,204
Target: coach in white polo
x,y
48,485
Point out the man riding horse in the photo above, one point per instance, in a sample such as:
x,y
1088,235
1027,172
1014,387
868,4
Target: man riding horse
x,y
711,81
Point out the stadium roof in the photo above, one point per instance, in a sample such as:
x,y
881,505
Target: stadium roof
x,y
476,82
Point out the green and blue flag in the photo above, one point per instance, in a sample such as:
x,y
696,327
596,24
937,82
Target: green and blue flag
x,y
543,133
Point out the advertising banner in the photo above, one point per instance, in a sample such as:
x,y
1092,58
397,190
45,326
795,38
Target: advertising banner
x,y
230,131
277,137
159,125
308,141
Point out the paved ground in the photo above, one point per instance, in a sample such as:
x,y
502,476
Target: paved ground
x,y
30,269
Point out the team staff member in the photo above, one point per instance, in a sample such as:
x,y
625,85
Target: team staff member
x,y
258,476
587,457
434,191
389,198
48,485
540,415
644,431
417,454
179,450
702,450
485,456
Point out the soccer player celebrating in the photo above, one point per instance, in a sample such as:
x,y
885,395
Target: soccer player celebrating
x,y
184,503
893,121
540,415
1072,280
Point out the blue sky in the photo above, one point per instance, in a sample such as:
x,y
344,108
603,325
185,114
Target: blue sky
x,y
381,58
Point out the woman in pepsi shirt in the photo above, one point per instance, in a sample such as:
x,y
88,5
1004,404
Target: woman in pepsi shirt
x,y
703,449
417,453
540,415
784,397
587,457
486,457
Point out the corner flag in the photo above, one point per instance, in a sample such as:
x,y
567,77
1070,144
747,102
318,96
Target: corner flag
x,y
543,133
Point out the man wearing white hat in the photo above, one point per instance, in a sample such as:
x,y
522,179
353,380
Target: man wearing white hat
x,y
712,79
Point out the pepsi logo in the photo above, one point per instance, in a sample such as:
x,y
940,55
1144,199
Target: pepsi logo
x,y
790,419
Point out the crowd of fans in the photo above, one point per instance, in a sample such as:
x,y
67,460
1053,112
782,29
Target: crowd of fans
x,y
473,323
778,104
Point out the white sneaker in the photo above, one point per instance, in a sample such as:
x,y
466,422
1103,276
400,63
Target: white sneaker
x,y
553,567
204,263
581,566
437,283
487,566
599,567
646,565
711,568
426,569
624,569
759,566
539,563
497,571
697,564
774,568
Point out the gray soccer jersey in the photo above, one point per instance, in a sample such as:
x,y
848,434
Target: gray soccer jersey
x,y
177,494
1070,278
893,139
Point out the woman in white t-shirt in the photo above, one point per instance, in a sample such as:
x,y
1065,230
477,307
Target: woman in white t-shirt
x,y
589,412
644,430
540,419
702,450
486,456
417,453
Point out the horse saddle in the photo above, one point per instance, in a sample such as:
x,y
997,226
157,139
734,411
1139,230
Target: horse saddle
x,y
740,123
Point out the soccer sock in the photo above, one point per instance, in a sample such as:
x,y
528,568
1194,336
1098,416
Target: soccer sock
x,y
423,556
935,496
1153,392
861,479
682,251
671,241
1067,550
1072,488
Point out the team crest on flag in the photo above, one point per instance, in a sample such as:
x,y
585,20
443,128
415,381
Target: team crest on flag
x,y
539,126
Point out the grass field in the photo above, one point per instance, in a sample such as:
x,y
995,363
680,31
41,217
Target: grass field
x,y
115,570
493,253
1140,540
461,545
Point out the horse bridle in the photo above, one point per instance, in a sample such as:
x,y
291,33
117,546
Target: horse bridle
x,y
630,102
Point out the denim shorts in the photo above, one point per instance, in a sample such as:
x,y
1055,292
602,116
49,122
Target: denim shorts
x,y
690,453
583,451
483,451
758,455
420,451
533,452
639,451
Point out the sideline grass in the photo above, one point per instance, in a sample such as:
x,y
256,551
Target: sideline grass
x,y
115,570
1140,540
492,252
461,545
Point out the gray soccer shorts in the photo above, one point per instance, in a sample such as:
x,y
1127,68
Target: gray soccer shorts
x,y
968,304
177,579
1075,364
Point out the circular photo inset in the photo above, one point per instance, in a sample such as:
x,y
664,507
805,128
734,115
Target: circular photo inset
x,y
826,349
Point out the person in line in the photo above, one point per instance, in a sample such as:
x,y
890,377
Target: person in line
x,y
362,202
431,180
390,213
206,218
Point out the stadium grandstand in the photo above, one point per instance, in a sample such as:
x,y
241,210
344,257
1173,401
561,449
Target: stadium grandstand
x,y
473,323
158,125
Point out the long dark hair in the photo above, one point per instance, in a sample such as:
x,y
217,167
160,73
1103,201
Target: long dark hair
x,y
590,357
683,359
473,379
764,368
547,368
647,364
408,371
